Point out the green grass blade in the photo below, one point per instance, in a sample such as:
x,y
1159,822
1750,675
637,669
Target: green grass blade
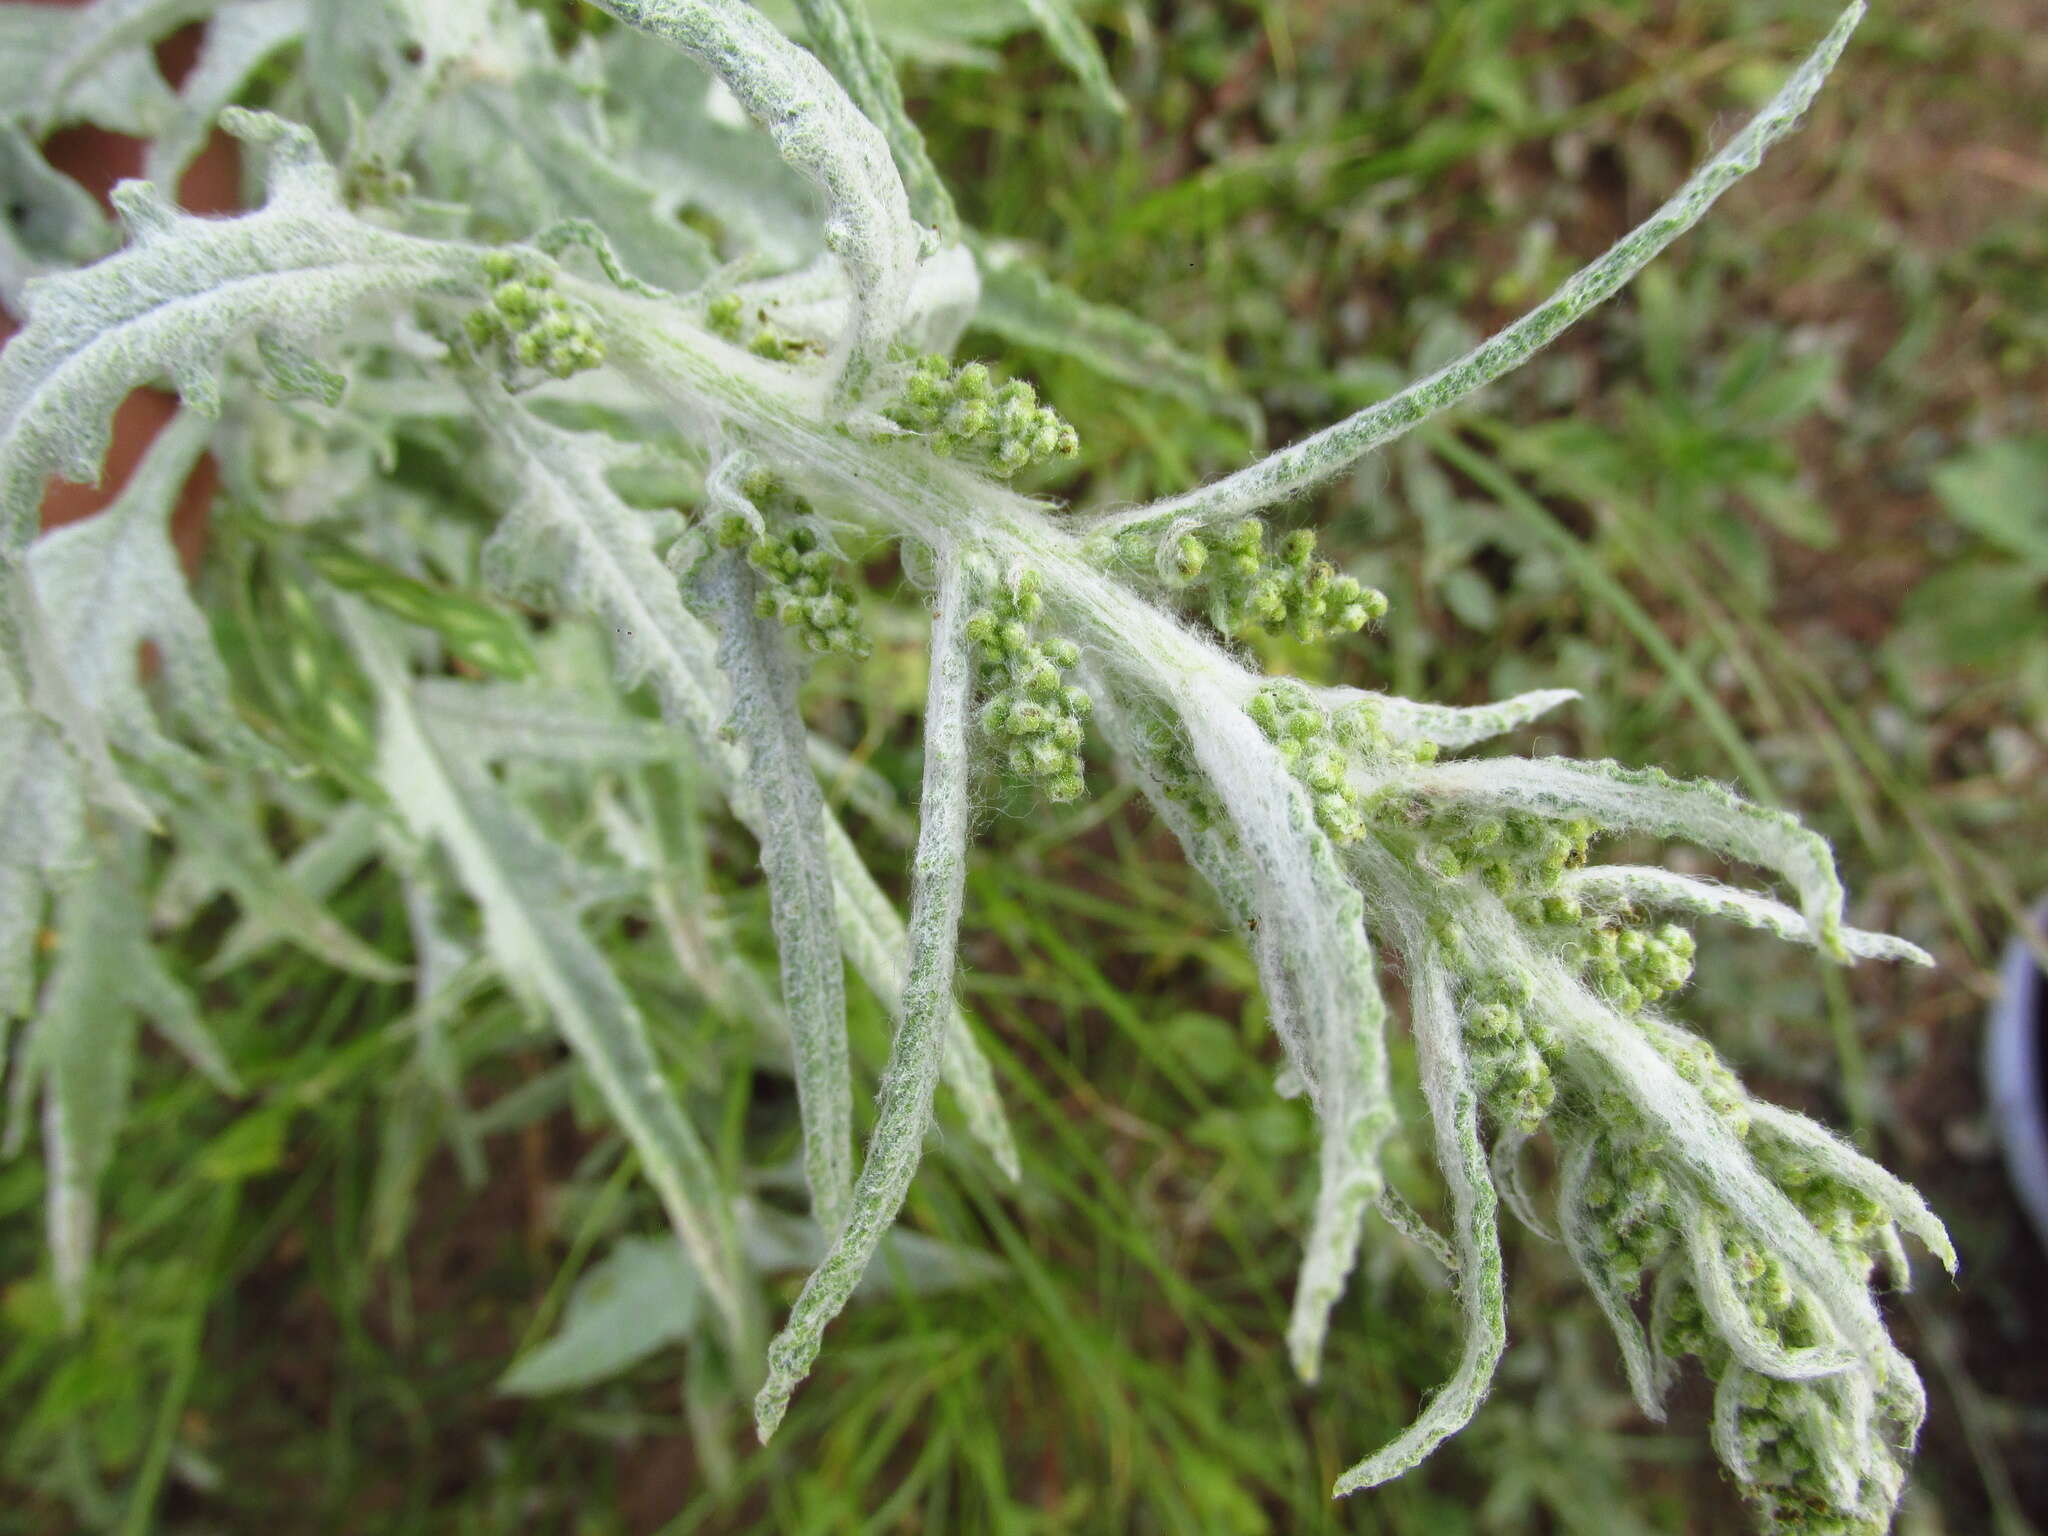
x,y
1068,36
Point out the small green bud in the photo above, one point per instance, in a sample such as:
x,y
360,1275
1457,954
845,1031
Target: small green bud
x,y
1028,719
1325,771
1490,1021
723,315
1064,789
515,300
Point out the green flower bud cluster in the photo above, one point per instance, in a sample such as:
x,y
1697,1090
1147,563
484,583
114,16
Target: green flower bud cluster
x,y
798,580
727,316
1780,1427
1283,591
1765,1291
1776,1422
1032,713
1164,752
1359,727
1628,1201
1522,858
1763,1288
1684,1328
1701,1065
1514,1053
530,324
1356,727
1517,854
1807,1452
371,181
965,414
1633,967
1793,1512
1844,1215
1317,750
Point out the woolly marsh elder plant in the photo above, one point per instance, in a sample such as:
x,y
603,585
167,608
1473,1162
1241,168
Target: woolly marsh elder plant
x,y
691,365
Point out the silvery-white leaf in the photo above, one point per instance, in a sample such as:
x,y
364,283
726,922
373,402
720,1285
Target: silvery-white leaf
x,y
641,1297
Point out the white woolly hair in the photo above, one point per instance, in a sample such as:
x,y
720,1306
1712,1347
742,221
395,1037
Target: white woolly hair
x,y
1177,707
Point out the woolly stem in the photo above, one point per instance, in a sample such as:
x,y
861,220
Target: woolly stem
x,y
843,35
1357,1114
825,138
1454,1113
1282,878
791,824
1648,800
1576,1228
610,571
1313,460
1725,1427
904,1114
1506,1163
1830,1155
871,933
1449,725
1339,1052
1409,1222
1644,887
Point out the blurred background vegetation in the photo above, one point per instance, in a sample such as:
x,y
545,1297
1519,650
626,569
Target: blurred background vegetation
x,y
1780,513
